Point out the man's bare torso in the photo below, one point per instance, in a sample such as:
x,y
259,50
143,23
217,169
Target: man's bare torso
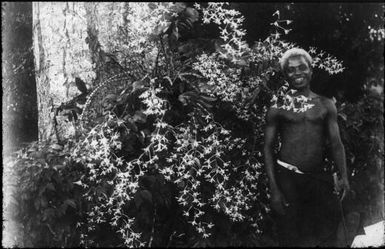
x,y
303,136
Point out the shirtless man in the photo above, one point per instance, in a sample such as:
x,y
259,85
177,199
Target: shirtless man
x,y
301,191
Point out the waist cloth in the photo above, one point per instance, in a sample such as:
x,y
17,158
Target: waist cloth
x,y
323,176
313,207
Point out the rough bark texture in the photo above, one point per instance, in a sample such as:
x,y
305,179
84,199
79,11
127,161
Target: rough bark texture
x,y
56,65
97,54
44,98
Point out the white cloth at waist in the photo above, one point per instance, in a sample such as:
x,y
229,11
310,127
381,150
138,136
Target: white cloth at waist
x,y
289,166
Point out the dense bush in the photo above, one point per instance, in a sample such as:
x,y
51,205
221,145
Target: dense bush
x,y
47,202
361,125
171,155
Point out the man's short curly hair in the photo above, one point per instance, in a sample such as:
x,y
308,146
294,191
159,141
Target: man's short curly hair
x,y
294,52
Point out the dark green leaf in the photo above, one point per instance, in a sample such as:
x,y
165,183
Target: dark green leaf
x,y
81,85
70,202
139,117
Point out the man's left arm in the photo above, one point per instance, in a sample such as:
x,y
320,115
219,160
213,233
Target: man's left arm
x,y
337,148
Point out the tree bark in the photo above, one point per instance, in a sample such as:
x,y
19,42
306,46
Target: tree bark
x,y
61,55
97,54
44,98
67,45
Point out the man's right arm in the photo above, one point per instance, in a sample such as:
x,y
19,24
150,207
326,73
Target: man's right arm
x,y
270,137
277,199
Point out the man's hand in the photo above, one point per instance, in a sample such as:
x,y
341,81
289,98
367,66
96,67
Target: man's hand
x,y
342,188
278,202
345,187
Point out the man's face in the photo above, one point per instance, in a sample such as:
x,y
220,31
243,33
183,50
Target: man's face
x,y
298,72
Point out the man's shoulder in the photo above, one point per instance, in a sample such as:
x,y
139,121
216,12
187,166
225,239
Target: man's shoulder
x,y
328,103
273,113
326,100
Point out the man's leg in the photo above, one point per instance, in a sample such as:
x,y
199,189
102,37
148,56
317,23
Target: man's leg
x,y
287,224
308,222
327,213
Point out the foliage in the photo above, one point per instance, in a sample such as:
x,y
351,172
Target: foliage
x,y
170,155
45,202
362,131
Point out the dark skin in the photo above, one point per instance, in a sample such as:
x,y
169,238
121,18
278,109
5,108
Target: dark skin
x,y
303,135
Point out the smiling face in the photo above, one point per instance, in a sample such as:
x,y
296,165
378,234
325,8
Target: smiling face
x,y
298,72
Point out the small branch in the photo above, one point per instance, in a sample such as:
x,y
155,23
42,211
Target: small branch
x,y
170,239
50,229
55,123
166,55
153,227
155,71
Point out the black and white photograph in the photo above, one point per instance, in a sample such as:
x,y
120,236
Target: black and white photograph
x,y
193,124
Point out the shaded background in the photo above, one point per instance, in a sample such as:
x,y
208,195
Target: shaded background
x,y
340,29
19,98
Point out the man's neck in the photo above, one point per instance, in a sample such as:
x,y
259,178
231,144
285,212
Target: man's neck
x,y
305,92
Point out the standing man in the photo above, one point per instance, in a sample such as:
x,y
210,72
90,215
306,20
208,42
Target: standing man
x,y
301,191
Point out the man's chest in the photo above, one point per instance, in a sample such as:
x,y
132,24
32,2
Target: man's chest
x,y
315,115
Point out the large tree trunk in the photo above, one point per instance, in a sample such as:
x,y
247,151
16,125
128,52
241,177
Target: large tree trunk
x,y
99,50
97,54
44,98
61,55
78,40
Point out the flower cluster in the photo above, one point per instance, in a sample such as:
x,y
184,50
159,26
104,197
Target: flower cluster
x,y
198,162
197,154
222,81
229,22
95,152
225,82
278,25
154,103
129,30
326,62
131,24
285,100
144,18
376,34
